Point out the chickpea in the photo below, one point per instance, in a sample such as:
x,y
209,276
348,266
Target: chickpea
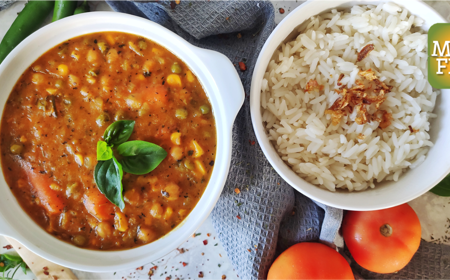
x,y
146,234
104,229
177,153
102,119
156,211
119,115
172,190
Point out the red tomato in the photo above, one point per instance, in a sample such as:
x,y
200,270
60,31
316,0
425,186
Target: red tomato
x,y
310,261
382,241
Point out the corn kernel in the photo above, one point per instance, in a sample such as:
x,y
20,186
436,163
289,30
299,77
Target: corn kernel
x,y
168,213
110,39
176,138
75,55
140,77
23,139
52,91
174,80
74,80
198,151
63,70
92,56
120,222
55,187
79,159
156,211
200,167
37,78
91,80
189,76
133,102
161,60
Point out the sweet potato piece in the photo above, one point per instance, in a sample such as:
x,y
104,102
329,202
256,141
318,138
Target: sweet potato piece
x,y
98,205
49,198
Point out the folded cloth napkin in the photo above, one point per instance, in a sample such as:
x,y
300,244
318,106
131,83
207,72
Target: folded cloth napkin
x,y
257,210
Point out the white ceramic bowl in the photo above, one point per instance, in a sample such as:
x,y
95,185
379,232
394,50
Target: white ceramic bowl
x,y
223,87
411,184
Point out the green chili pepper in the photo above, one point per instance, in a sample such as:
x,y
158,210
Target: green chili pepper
x,y
28,21
63,8
83,8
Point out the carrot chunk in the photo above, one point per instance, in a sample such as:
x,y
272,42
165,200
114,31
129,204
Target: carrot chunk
x,y
98,205
158,94
48,197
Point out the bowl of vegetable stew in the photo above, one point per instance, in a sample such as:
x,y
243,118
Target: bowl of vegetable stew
x,y
116,140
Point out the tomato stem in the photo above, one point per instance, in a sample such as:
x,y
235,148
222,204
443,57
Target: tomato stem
x,y
386,230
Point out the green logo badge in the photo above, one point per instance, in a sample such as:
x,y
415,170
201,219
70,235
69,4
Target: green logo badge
x,y
439,55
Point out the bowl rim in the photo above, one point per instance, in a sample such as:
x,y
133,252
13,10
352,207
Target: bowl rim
x,y
280,34
225,101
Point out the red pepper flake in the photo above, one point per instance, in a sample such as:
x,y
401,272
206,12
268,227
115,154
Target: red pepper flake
x,y
7,247
224,277
200,274
237,191
249,250
45,268
281,10
208,234
242,66
46,273
205,242
251,142
168,277
140,268
239,217
184,264
227,18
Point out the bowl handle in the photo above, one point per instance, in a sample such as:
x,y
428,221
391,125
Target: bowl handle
x,y
227,81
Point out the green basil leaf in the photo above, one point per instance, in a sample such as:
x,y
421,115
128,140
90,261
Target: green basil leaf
x,y
23,265
104,152
443,188
140,157
118,132
108,177
13,258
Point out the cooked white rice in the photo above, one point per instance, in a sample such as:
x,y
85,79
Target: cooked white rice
x,y
332,156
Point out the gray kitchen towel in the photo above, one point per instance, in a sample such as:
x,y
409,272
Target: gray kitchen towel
x,y
6,3
248,223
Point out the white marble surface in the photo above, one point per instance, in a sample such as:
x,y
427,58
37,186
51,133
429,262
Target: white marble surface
x,y
211,259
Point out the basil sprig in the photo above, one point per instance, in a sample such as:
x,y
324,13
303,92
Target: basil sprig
x,y
443,188
135,157
11,263
140,157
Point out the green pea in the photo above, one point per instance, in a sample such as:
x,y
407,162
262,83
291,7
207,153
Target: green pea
x,y
16,149
176,68
189,164
102,119
79,240
181,114
205,109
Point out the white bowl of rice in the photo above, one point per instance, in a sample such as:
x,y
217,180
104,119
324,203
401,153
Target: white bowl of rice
x,y
341,104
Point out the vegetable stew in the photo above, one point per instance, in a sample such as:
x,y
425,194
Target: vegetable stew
x,y
57,114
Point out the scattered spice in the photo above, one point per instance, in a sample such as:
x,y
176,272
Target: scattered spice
x,y
180,250
196,234
140,268
45,268
237,191
2,264
249,250
200,274
216,244
361,136
252,142
281,10
224,277
46,273
208,234
7,247
339,79
364,52
239,217
184,264
55,277
239,35
242,66
205,242
412,130
227,18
